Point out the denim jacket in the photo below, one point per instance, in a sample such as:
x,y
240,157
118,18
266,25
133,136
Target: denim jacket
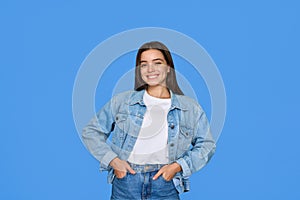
x,y
190,142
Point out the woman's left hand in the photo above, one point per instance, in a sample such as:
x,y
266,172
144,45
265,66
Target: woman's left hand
x,y
168,171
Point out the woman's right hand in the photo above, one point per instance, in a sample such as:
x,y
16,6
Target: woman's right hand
x,y
121,167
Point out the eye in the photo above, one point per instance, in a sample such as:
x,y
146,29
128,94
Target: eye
x,y
143,65
158,63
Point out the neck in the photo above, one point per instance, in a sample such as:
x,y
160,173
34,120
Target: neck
x,y
159,92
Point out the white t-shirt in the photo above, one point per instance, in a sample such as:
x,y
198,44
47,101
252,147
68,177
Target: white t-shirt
x,y
151,144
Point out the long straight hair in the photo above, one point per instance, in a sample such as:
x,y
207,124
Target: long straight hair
x,y
171,81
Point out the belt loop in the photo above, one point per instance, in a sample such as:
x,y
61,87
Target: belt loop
x,y
145,168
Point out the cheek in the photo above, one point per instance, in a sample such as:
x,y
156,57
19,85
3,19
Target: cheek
x,y
165,71
142,72
143,75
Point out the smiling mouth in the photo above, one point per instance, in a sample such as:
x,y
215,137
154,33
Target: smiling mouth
x,y
152,76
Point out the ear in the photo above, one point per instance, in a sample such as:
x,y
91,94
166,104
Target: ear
x,y
169,69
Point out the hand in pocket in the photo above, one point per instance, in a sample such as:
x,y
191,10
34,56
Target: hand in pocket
x,y
121,167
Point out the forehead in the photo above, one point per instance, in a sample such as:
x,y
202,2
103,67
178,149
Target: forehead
x,y
151,54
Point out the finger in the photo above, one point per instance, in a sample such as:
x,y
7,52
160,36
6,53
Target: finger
x,y
129,169
120,174
121,168
164,177
157,174
167,178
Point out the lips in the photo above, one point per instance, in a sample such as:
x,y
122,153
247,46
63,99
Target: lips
x,y
152,76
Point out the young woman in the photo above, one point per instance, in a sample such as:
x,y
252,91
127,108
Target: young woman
x,y
159,136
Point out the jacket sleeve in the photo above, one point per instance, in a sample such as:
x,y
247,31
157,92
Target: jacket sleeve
x,y
203,148
95,135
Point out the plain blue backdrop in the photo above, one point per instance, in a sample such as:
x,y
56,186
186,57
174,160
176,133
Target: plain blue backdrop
x,y
255,45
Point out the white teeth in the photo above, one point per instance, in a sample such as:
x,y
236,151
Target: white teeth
x,y
154,76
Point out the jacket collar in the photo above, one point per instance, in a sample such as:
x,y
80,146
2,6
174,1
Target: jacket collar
x,y
137,98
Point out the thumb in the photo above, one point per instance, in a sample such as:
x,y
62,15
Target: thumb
x,y
157,174
129,169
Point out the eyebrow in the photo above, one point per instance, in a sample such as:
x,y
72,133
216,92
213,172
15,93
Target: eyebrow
x,y
156,59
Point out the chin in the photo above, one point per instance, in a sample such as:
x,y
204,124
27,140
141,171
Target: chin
x,y
151,84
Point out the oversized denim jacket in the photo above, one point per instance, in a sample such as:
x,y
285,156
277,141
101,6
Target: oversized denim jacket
x,y
190,142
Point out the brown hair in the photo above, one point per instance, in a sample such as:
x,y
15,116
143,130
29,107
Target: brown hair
x,y
171,78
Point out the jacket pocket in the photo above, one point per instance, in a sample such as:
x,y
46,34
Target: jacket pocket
x,y
184,140
120,130
125,125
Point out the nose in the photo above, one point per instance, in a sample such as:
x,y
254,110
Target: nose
x,y
150,68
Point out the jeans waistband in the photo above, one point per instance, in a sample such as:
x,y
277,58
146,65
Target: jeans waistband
x,y
146,168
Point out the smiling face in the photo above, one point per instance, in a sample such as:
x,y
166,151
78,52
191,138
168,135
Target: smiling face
x,y
154,68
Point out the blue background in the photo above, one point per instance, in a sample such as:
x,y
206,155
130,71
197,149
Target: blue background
x,y
255,45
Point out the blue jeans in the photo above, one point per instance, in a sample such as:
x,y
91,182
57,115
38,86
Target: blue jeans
x,y
141,186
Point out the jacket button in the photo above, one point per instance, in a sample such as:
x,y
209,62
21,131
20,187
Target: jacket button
x,y
117,118
172,144
172,126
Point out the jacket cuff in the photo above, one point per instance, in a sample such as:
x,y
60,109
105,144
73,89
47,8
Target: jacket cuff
x,y
184,166
107,158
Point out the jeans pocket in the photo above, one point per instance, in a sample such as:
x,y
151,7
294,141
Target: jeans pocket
x,y
165,179
122,178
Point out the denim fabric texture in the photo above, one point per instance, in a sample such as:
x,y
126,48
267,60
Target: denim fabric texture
x,y
142,186
113,132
